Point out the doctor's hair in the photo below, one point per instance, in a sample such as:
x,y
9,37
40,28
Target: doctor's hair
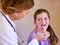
x,y
53,38
16,5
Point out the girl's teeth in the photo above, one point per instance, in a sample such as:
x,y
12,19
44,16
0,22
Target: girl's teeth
x,y
43,25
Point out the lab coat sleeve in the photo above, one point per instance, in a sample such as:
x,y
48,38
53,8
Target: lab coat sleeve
x,y
6,35
33,42
3,36
6,40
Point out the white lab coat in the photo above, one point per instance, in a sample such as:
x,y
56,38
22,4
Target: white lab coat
x,y
33,42
7,34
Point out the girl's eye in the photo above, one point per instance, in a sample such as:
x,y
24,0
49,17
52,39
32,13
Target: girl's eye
x,y
39,19
45,18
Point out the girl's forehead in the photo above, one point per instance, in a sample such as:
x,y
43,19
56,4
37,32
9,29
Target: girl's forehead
x,y
42,15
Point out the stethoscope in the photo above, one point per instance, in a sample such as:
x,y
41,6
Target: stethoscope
x,y
21,41
8,21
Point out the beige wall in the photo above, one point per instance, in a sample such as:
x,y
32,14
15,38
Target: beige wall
x,y
53,7
26,25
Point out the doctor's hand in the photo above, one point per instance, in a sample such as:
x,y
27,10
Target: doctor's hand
x,y
42,36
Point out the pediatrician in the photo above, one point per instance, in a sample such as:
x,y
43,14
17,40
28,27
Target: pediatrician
x,y
12,10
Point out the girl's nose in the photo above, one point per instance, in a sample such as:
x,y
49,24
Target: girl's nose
x,y
43,21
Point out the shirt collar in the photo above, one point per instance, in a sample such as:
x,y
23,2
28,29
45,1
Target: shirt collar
x,y
9,18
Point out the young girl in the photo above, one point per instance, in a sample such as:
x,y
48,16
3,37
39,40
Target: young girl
x,y
42,34
12,10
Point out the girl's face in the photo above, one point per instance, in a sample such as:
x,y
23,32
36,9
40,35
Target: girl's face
x,y
18,14
42,21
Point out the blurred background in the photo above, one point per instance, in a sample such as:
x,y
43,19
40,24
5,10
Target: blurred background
x,y
26,25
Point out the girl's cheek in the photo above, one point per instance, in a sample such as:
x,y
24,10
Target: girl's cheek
x,y
38,23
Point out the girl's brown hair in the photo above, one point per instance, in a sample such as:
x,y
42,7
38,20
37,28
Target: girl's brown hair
x,y
53,38
16,4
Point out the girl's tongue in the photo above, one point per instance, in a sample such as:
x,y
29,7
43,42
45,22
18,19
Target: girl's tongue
x,y
42,28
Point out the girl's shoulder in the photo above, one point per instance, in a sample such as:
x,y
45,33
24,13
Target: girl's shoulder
x,y
33,33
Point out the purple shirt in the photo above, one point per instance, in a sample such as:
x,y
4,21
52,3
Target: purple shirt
x,y
32,36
